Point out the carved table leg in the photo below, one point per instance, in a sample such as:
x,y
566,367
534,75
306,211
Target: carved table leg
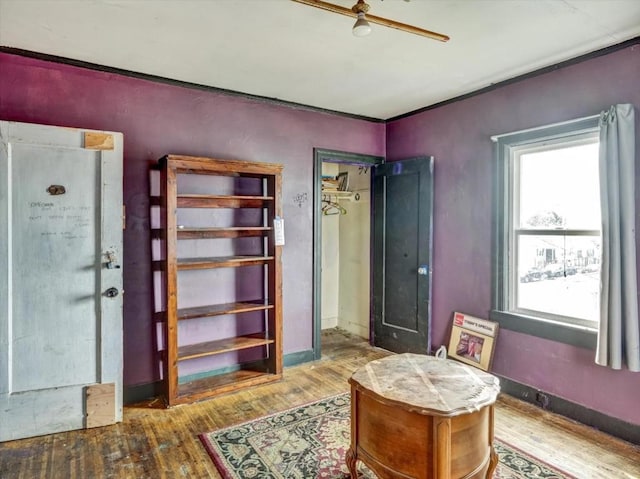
x,y
493,462
351,459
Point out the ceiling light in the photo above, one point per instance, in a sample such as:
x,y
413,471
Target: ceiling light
x,y
364,8
361,28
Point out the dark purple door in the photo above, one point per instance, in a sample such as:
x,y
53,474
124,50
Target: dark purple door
x,y
403,206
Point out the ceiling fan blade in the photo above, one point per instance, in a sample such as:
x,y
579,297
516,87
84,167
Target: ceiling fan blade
x,y
374,19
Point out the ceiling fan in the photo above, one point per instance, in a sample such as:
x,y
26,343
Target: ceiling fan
x,y
361,27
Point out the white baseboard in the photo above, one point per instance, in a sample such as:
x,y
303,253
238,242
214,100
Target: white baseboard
x,y
328,323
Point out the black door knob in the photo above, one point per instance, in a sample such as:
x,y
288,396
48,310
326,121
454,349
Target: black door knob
x,y
111,293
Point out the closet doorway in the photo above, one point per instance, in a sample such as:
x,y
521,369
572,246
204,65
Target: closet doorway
x,y
342,243
373,237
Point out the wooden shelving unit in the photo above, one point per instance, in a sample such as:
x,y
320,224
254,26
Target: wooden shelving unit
x,y
266,341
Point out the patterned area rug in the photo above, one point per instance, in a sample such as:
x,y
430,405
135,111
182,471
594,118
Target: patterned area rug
x,y
310,442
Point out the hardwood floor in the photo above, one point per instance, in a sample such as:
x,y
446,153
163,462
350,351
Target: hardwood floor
x,y
153,442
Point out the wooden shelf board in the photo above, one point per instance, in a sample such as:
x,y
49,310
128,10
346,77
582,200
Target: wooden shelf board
x,y
210,166
221,383
159,265
204,233
226,308
222,262
220,346
231,232
221,201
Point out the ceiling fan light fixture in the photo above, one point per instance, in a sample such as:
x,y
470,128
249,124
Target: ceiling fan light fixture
x,y
362,7
361,28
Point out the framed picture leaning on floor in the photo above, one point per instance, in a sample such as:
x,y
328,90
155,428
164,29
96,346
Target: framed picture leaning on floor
x,y
472,340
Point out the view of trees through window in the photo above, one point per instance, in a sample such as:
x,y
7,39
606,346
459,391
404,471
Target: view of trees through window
x,y
556,238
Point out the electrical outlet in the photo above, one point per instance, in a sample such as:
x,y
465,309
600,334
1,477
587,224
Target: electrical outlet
x,y
542,400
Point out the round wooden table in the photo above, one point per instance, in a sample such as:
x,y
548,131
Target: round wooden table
x,y
416,416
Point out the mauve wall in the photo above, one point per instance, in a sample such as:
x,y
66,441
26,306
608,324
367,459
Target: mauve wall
x,y
157,119
458,135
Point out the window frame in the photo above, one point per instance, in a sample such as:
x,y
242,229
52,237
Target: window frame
x,y
551,327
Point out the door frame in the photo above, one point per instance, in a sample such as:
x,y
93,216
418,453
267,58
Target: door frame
x,y
319,157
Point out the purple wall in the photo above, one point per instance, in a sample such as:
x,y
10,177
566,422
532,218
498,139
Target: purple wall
x,y
458,136
157,119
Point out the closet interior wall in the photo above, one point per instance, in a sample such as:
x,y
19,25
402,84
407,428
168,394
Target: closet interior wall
x,y
346,237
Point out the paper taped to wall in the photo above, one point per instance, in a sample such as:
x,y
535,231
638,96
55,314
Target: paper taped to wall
x,y
278,226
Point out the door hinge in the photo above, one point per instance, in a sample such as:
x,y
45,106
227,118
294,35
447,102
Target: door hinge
x,y
124,217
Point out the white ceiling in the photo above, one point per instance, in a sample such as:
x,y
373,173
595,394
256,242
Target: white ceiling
x,y
285,50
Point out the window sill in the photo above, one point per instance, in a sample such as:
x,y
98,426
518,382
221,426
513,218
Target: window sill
x,y
554,331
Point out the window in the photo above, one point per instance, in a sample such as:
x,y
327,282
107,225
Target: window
x,y
547,248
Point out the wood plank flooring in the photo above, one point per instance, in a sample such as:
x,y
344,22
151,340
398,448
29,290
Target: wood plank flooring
x,y
153,442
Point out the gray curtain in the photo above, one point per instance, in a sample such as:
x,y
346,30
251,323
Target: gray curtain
x,y
619,332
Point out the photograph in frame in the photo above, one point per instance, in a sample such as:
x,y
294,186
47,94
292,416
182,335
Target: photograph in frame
x,y
472,340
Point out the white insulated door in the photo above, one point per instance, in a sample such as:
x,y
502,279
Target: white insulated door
x,y
60,279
